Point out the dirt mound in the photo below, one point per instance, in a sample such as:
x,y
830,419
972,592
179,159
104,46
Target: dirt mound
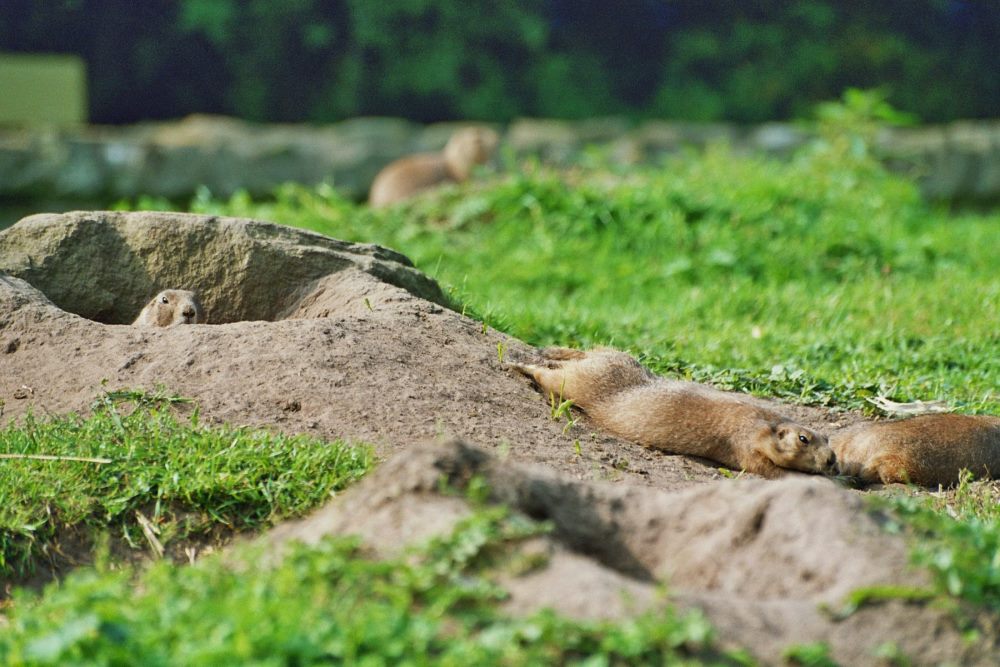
x,y
305,334
761,559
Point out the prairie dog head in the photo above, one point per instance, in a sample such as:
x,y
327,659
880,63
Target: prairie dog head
x,y
468,147
797,447
170,307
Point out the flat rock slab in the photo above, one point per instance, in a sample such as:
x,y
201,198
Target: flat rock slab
x,y
764,560
175,159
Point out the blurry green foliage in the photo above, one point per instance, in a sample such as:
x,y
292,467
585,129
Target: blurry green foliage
x,y
435,60
848,128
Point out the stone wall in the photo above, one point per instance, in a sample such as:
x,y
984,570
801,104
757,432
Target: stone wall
x,y
960,161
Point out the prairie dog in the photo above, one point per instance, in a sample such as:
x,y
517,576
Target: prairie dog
x,y
169,307
678,417
928,450
407,176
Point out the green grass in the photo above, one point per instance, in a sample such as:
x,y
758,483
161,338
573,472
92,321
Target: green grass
x,y
810,655
332,605
185,478
957,538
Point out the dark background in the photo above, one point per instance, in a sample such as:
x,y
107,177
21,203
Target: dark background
x,y
434,60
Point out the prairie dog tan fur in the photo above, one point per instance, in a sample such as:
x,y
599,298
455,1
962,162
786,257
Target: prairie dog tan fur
x,y
928,450
407,176
169,307
624,398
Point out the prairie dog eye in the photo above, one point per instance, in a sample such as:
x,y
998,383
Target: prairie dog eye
x,y
803,439
164,299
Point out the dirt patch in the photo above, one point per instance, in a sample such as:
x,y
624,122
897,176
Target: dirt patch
x,y
74,546
769,562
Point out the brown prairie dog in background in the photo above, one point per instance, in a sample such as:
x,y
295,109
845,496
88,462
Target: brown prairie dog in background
x,y
407,176
624,398
929,450
169,307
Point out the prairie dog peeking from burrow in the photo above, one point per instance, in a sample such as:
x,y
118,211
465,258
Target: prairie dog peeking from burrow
x,y
170,307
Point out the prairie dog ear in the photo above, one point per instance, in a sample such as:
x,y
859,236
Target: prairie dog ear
x,y
782,432
767,441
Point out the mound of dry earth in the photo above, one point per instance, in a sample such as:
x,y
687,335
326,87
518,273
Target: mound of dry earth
x,y
305,334
761,559
309,334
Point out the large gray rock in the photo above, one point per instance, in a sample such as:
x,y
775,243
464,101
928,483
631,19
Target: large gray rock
x,y
105,265
659,137
552,140
956,161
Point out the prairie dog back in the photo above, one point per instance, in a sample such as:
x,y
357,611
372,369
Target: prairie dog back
x,y
467,148
928,450
407,176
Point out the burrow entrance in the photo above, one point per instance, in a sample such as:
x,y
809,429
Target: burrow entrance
x,y
106,265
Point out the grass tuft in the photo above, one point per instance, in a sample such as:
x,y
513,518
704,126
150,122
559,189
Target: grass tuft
x,y
957,537
185,478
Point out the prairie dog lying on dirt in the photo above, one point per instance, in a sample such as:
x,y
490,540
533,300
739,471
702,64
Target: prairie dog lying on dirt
x,y
928,450
679,417
169,307
407,176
